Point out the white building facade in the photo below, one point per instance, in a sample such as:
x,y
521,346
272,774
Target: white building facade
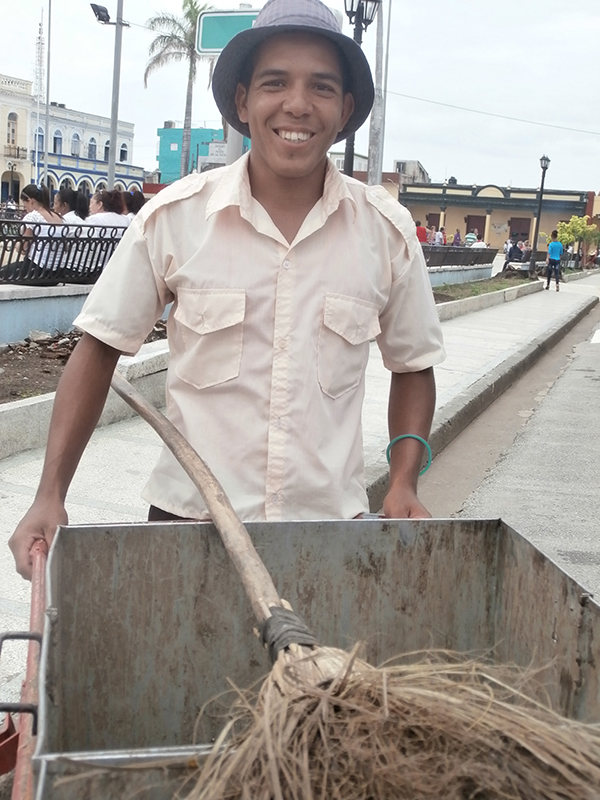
x,y
78,145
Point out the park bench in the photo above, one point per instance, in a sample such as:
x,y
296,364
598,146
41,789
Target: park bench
x,y
449,256
55,253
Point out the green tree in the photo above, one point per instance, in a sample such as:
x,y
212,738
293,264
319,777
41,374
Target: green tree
x,y
577,230
176,42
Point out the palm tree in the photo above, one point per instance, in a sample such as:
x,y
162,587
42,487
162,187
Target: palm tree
x,y
176,41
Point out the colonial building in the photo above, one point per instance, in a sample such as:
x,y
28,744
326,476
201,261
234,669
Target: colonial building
x,y
208,149
78,145
496,212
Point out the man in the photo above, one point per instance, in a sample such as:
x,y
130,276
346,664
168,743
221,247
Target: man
x,y
421,232
479,243
470,238
281,271
440,237
555,251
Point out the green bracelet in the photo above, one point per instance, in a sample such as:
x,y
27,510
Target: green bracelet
x,y
410,436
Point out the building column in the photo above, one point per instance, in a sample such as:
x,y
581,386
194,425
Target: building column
x,y
442,216
488,225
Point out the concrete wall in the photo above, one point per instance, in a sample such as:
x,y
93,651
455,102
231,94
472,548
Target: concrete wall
x,y
51,309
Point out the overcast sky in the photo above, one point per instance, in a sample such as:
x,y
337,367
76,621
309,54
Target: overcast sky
x,y
531,59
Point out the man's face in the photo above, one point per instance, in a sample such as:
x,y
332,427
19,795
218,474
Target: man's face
x,y
295,105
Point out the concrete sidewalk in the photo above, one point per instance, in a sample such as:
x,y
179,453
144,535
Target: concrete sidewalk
x,y
486,350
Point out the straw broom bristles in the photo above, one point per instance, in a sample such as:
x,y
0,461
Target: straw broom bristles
x,y
450,729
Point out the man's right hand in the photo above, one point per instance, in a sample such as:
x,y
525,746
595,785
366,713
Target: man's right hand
x,y
40,522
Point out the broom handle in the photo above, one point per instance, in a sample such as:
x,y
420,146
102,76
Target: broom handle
x,y
257,582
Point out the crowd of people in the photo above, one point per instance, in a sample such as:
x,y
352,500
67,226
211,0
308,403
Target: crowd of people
x,y
64,217
439,237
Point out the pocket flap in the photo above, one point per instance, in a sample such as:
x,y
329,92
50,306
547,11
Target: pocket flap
x,y
355,320
209,310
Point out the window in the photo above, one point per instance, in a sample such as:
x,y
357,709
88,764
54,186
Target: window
x,y
84,187
100,187
38,140
11,128
75,145
123,153
174,146
92,149
57,148
66,184
106,149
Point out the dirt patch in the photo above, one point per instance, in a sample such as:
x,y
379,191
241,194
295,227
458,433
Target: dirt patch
x,y
460,291
34,366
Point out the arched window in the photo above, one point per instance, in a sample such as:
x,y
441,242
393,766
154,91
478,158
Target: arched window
x,y
92,149
106,149
11,128
123,153
67,183
76,145
38,140
57,148
101,187
85,187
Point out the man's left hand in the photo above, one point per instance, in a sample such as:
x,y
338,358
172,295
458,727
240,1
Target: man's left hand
x,y
404,504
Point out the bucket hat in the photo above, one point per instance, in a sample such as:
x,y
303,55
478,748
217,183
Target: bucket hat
x,y
292,16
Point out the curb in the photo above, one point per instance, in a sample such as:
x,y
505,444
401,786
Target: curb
x,y
577,276
455,416
456,308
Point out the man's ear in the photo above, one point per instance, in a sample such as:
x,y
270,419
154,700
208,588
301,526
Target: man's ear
x,y
241,102
347,109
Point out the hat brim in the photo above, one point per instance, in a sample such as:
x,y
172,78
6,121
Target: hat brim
x,y
228,73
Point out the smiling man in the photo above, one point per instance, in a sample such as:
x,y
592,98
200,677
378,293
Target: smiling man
x,y
281,271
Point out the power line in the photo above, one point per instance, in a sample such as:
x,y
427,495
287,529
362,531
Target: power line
x,y
491,114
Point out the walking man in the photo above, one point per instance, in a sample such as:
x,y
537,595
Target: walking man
x,y
555,251
280,271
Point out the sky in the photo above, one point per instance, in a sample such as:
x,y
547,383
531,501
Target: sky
x,y
534,60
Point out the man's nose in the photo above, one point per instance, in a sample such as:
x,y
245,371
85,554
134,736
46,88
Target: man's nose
x,y
297,101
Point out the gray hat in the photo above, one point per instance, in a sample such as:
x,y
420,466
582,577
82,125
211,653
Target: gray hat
x,y
292,16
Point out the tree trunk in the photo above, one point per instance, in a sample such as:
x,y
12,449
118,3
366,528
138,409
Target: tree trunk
x,y
187,123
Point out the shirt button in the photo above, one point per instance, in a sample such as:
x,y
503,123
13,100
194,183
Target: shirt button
x,y
274,498
283,344
287,264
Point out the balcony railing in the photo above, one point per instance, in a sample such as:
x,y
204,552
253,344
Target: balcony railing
x,y
65,161
12,151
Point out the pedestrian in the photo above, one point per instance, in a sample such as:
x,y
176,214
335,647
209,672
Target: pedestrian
x,y
107,210
526,252
470,238
73,206
39,225
555,251
514,254
421,232
456,241
280,271
133,201
431,234
480,244
440,237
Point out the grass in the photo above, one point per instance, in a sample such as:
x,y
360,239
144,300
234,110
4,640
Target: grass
x,y
459,291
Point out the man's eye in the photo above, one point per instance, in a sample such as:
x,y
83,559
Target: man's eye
x,y
324,87
275,82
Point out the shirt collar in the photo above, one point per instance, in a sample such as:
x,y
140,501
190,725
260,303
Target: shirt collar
x,y
234,189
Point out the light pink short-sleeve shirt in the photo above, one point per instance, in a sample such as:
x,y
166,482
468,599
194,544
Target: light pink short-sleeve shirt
x,y
269,339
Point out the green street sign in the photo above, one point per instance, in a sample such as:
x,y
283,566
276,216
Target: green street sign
x,y
217,28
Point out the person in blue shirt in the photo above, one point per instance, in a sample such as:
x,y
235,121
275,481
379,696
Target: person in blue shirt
x,y
555,251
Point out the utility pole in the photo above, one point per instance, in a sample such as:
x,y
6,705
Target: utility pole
x,y
376,125
114,114
47,133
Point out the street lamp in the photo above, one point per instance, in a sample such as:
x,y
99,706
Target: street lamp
x,y
103,17
361,14
544,164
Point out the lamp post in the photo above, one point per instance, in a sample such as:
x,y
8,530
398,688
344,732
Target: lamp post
x,y
103,18
544,164
361,14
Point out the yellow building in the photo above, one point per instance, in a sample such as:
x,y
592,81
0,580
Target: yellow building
x,y
496,212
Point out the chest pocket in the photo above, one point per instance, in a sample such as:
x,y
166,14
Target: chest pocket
x,y
211,330
348,326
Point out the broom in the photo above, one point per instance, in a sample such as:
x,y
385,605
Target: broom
x,y
325,724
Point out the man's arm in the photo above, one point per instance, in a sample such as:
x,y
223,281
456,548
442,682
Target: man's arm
x,y
79,401
410,410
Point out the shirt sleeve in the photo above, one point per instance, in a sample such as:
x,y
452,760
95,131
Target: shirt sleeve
x,y
128,298
411,334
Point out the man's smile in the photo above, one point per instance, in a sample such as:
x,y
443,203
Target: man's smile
x,y
294,136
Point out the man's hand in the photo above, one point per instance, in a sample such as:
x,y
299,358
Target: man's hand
x,y
404,504
40,522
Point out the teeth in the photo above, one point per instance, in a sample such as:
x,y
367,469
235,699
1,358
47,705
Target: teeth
x,y
294,136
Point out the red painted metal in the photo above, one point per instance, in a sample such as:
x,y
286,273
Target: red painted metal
x,y
9,738
23,783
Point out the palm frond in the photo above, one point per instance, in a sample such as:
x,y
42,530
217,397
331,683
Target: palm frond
x,y
161,60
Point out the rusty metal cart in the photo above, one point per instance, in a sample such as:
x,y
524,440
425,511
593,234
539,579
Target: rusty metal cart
x,y
145,623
